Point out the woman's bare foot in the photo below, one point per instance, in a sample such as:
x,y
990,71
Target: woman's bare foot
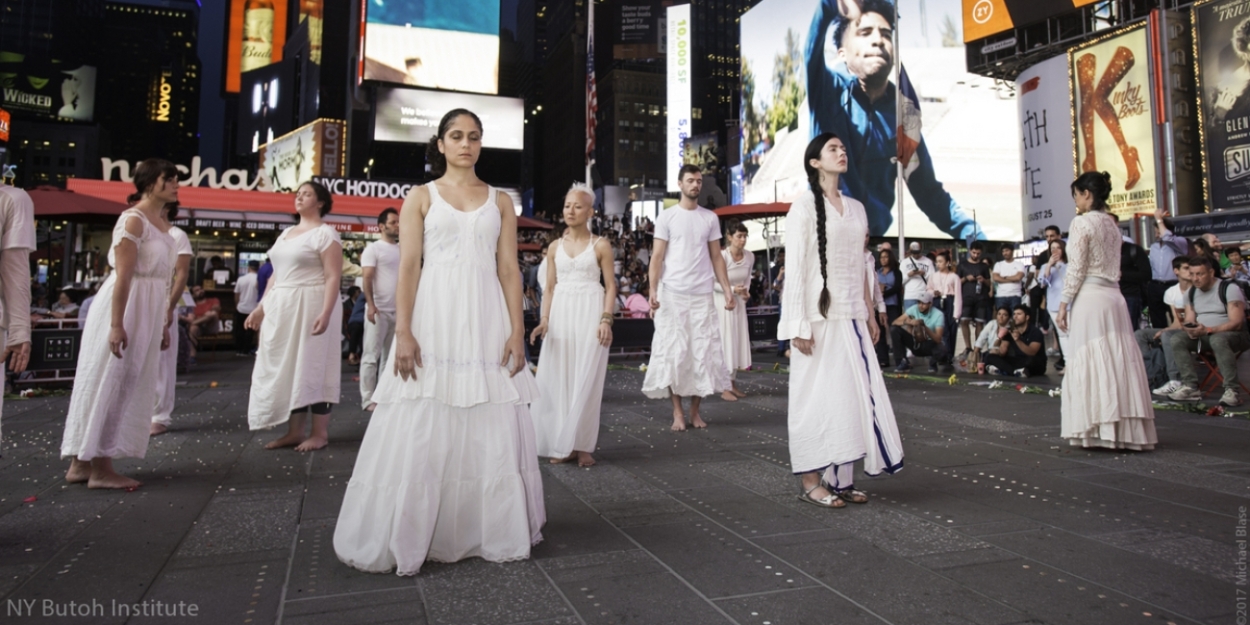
x,y
698,421
312,443
112,480
729,396
78,472
584,459
568,458
371,406
157,428
737,392
290,440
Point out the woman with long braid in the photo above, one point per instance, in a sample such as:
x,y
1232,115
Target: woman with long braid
x,y
839,410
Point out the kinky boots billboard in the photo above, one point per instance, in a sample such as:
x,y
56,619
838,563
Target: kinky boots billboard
x,y
1115,126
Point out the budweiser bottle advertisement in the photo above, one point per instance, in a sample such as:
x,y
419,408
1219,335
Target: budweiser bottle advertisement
x,y
258,18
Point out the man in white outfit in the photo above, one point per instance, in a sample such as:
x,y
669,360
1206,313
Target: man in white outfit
x,y
380,261
17,239
246,299
167,370
917,269
686,353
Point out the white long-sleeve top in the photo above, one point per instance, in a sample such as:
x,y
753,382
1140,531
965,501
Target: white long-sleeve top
x,y
1093,250
844,256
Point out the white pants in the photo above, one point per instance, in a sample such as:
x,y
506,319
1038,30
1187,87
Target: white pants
x,y
4,370
375,353
166,376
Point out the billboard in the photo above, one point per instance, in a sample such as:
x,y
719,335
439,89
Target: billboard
x,y
312,11
433,43
703,151
4,125
412,116
266,105
318,149
983,18
797,83
255,34
638,29
47,90
678,87
1222,46
1111,105
1046,146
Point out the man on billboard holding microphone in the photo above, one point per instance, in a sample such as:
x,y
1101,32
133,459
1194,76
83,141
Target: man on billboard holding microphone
x,y
856,100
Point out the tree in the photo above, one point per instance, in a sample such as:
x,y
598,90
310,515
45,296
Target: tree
x,y
950,34
788,87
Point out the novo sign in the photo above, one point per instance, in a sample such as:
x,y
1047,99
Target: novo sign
x,y
197,175
164,93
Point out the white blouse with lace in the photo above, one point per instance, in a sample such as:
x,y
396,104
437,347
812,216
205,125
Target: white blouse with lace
x,y
1093,251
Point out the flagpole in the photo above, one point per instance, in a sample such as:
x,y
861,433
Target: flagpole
x,y
898,117
590,51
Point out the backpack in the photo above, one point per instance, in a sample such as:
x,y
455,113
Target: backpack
x,y
1224,284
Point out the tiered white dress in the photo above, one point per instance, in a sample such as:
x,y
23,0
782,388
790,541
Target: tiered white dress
x,y
573,364
295,369
839,409
112,400
448,468
735,335
167,371
1106,397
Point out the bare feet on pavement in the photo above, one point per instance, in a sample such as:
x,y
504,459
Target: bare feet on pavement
x,y
312,443
78,472
568,458
157,428
289,440
729,396
698,421
584,459
111,479
679,421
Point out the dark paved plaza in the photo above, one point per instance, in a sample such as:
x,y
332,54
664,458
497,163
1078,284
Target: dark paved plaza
x,y
993,521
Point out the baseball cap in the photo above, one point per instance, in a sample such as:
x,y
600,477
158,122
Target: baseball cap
x,y
914,246
925,298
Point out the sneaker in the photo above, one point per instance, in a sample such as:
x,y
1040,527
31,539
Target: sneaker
x,y
1185,393
1051,352
1021,373
1230,398
904,366
992,370
1167,389
933,367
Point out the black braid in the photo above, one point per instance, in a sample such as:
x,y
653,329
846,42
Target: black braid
x,y
822,238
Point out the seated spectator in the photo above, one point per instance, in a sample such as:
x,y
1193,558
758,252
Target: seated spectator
x,y
638,305
85,307
1238,267
205,318
64,308
1149,339
987,339
920,329
1019,350
1215,317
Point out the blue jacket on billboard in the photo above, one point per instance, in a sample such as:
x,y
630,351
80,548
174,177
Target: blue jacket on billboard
x,y
869,129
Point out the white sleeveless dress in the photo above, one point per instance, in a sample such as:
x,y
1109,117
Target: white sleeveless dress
x,y
447,469
111,405
573,364
293,368
735,334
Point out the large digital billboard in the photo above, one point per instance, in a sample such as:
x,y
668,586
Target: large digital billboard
x,y
412,116
433,43
983,18
808,68
1222,40
255,34
1114,130
678,88
1046,145
50,90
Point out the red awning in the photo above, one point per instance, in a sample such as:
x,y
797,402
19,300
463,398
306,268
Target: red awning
x,y
528,247
753,211
529,223
232,199
52,202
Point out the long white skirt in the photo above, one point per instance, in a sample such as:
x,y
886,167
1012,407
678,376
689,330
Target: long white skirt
x,y
110,408
570,375
686,353
435,482
293,368
839,409
1106,397
735,337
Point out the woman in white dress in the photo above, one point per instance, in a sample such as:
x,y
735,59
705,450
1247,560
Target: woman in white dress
x,y
1106,397
115,383
167,372
839,410
299,355
577,323
448,468
735,335
1051,277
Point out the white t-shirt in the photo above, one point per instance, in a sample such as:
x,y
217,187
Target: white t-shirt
x,y
915,285
245,291
1173,297
384,257
1006,269
17,229
687,265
